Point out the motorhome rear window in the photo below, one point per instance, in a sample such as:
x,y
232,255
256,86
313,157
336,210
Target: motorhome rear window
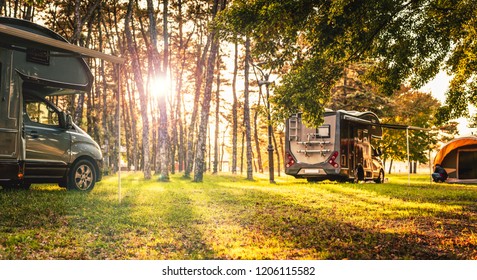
x,y
323,131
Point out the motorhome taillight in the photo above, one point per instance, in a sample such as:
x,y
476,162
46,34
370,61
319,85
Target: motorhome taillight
x,y
333,158
290,160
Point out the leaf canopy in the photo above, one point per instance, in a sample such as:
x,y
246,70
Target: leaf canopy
x,y
409,42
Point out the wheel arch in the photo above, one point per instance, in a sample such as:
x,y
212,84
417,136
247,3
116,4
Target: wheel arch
x,y
97,169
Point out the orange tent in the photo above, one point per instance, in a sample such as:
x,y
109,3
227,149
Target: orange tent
x,y
459,158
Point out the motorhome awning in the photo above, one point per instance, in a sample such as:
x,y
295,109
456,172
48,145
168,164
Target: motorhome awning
x,y
403,127
12,34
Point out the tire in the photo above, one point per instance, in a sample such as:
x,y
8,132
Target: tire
x,y
380,178
82,177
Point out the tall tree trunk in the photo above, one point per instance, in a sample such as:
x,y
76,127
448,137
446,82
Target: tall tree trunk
x,y
205,108
217,121
192,126
163,132
277,153
132,112
246,109
282,151
178,122
255,137
242,152
234,110
199,165
78,109
140,87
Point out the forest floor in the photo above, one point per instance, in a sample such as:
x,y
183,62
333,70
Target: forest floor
x,y
228,217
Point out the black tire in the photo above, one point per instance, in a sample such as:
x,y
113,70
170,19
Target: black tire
x,y
380,178
359,173
82,176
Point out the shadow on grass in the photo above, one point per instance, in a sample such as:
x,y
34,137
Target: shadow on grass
x,y
308,232
442,194
181,219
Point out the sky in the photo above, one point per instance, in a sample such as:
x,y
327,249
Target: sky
x,y
438,87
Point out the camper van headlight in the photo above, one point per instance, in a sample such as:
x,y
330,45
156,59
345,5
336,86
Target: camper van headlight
x,y
332,159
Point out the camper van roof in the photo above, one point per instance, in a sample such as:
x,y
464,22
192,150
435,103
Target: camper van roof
x,y
41,56
28,34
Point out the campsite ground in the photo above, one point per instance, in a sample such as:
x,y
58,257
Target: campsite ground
x,y
227,217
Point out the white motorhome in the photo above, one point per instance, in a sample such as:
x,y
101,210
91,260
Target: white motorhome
x,y
344,147
38,142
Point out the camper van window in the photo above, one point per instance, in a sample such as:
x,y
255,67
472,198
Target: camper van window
x,y
38,56
323,131
40,112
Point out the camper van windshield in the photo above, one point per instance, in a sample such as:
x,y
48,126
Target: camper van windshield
x,y
52,94
44,90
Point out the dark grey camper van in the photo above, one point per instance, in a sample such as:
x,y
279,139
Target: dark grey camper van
x,y
38,142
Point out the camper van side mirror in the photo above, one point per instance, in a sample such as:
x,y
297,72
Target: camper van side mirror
x,y
66,121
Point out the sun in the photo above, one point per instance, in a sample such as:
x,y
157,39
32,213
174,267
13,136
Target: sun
x,y
160,86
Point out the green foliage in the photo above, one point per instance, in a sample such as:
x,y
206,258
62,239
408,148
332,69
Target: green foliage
x,y
353,93
229,217
306,89
410,41
411,108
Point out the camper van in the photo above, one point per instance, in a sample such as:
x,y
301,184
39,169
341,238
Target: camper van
x,y
38,141
344,148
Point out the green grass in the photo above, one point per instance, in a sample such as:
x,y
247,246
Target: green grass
x,y
227,217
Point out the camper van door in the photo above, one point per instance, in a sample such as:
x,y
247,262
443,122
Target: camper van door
x,y
12,146
48,144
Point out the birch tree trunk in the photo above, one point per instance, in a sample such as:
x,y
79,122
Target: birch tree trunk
x,y
199,168
198,86
217,121
255,137
163,132
234,110
140,87
246,113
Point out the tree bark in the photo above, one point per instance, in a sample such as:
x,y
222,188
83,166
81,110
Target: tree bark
x,y
217,121
140,87
248,133
234,110
192,126
205,108
163,121
255,137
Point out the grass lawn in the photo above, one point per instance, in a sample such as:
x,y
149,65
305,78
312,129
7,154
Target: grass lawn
x,y
227,217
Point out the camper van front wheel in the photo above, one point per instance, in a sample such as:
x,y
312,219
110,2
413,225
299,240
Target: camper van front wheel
x,y
380,178
82,176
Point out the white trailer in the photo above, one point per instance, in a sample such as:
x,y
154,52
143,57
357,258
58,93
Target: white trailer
x,y
344,147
